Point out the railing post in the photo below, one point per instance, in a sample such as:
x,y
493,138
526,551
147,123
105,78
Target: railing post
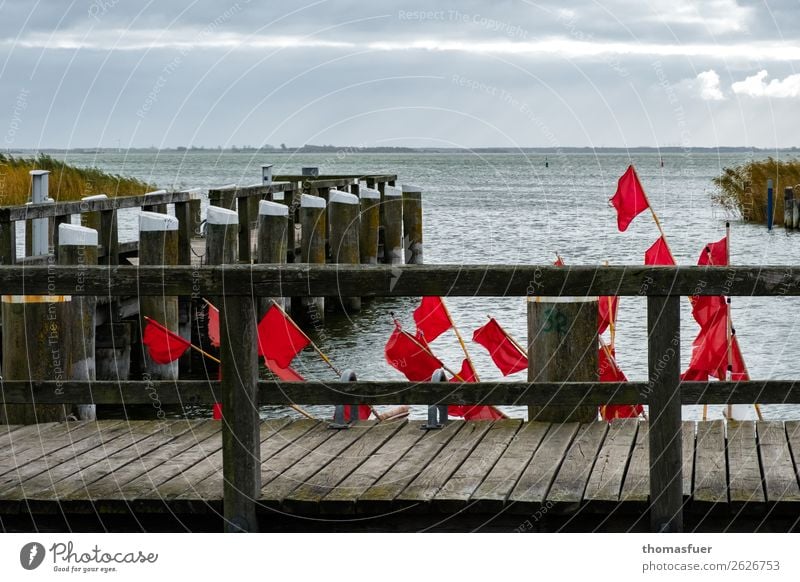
x,y
437,413
241,446
665,439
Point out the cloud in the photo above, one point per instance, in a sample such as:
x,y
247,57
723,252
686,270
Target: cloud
x,y
708,84
755,86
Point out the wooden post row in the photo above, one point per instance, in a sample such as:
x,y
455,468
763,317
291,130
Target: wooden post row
x,y
273,222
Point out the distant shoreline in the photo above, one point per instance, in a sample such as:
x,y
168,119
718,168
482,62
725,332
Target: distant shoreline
x,y
349,150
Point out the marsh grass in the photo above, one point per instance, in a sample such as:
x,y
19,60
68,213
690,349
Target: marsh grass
x,y
65,183
743,189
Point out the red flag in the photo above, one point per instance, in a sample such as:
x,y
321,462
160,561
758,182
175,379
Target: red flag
x,y
213,325
163,345
692,375
472,411
606,312
710,348
411,355
707,308
363,412
559,262
279,339
718,251
505,354
287,374
658,254
609,371
431,318
629,199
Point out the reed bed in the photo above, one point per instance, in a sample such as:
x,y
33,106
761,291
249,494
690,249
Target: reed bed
x,y
743,189
66,182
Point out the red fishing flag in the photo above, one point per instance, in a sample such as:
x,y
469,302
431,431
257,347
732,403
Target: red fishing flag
x,y
287,374
606,312
279,339
658,254
213,325
472,411
431,318
692,375
609,371
411,355
629,200
505,354
710,348
715,253
163,346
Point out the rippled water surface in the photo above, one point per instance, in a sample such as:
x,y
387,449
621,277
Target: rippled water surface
x,y
511,209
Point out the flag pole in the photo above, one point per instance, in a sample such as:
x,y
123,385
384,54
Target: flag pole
x,y
191,345
514,342
460,339
311,343
655,216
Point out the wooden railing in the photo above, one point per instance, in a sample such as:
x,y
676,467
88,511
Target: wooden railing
x,y
240,388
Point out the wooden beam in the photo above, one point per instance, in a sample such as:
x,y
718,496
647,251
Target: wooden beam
x,y
663,362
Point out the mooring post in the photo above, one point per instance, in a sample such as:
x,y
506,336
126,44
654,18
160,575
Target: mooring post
x,y
562,347
8,243
345,228
788,208
109,237
40,232
78,247
241,446
222,236
340,421
158,245
243,207
664,402
312,250
392,225
273,222
370,225
770,204
186,306
412,224
437,413
796,214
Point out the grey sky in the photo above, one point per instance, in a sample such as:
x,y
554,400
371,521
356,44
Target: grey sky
x,y
467,73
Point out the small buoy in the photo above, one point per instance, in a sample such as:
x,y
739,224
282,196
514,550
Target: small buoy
x,y
546,163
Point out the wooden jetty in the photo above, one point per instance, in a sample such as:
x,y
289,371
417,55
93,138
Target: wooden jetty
x,y
666,476
505,475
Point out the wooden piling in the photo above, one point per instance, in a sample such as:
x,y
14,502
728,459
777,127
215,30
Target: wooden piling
x,y
273,222
392,225
158,245
222,236
562,346
157,208
112,349
78,247
796,214
412,224
345,229
35,341
370,225
312,250
664,402
788,208
8,243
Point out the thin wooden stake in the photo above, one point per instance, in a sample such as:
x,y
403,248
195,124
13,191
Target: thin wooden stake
x,y
311,343
460,339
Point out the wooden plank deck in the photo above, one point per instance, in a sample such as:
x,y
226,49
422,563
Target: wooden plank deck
x,y
468,467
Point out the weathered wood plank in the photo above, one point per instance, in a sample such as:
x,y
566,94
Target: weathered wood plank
x,y
539,474
308,495
636,486
457,490
605,482
78,482
793,426
491,495
146,464
744,471
194,392
433,477
41,485
60,444
780,477
382,494
13,441
302,280
570,482
342,499
688,456
710,473
314,460
202,479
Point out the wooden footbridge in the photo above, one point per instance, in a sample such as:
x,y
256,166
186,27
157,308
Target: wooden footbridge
x,y
283,474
